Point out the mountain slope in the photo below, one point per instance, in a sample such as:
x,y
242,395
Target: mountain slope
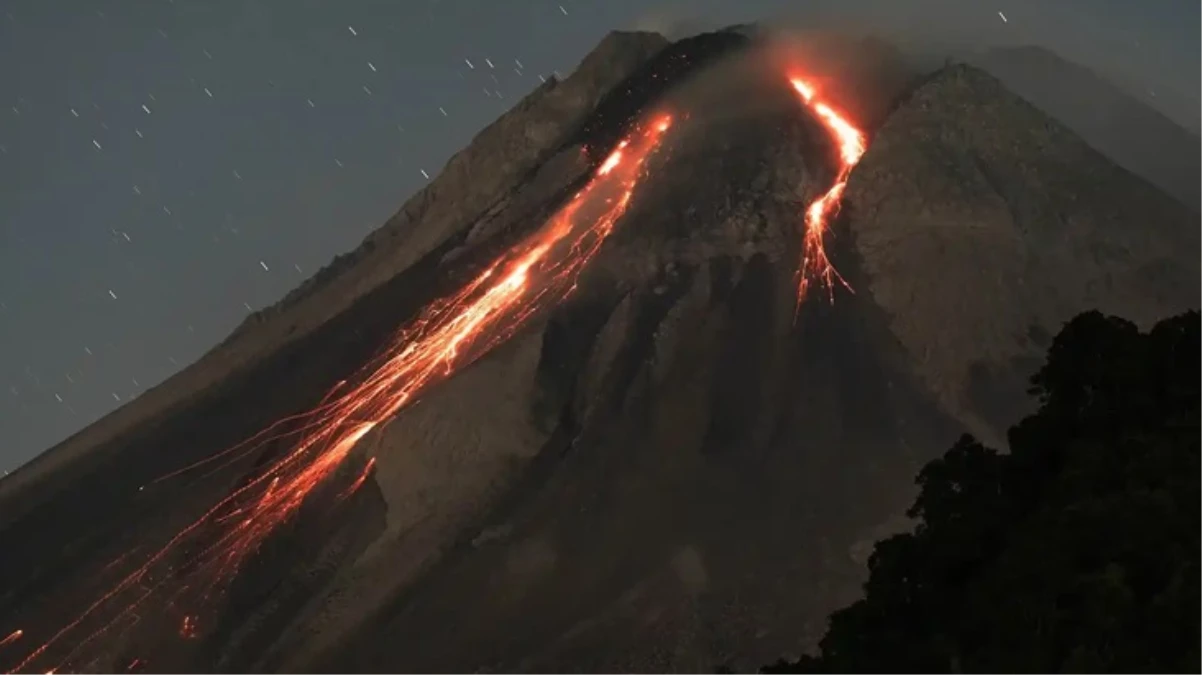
x,y
85,503
473,185
726,471
972,204
674,466
675,438
1127,130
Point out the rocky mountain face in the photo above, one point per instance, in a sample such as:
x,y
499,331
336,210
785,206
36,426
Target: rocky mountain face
x,y
676,467
972,204
1125,129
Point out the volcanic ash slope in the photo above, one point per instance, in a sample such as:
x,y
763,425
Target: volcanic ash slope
x,y
672,470
95,498
983,225
654,477
472,186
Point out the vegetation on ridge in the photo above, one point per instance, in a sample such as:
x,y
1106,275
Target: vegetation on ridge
x,y
1077,551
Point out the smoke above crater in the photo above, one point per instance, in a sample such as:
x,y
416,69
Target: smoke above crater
x,y
1159,69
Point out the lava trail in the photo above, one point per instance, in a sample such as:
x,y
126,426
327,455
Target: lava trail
x,y
816,267
447,335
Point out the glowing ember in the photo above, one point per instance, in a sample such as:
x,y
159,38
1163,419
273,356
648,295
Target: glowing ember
x,y
12,637
816,267
448,335
366,473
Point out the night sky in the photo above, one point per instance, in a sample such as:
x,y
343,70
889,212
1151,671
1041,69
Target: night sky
x,y
166,167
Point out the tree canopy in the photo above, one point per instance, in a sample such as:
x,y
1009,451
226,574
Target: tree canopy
x,y
1077,551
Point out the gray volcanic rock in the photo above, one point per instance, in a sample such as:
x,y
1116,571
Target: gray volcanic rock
x,y
983,225
673,469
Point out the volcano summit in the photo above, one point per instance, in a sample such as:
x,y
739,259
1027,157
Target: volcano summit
x,y
568,409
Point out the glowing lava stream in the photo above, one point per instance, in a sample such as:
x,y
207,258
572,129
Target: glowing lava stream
x,y
816,267
448,335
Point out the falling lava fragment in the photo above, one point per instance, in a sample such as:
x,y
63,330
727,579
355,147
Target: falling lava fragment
x,y
448,335
816,266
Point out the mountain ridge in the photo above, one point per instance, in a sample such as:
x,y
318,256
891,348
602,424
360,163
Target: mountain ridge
x,y
1131,132
605,66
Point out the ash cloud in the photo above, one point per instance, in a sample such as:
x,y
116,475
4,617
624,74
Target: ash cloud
x,y
674,21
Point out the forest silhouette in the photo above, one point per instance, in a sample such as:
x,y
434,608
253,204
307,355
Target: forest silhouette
x,y
1076,551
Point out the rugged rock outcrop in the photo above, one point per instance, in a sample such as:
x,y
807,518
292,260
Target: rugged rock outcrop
x,y
673,468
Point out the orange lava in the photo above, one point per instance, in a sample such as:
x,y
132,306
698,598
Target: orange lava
x,y
363,476
449,334
816,267
12,637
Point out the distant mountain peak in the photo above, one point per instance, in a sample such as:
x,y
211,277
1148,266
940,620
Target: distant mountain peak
x,y
1129,131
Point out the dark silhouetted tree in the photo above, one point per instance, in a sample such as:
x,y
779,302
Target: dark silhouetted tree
x,y
1077,551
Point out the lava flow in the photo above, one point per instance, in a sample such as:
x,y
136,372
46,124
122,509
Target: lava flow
x,y
816,267
448,335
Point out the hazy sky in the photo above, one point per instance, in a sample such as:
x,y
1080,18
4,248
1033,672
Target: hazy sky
x,y
166,166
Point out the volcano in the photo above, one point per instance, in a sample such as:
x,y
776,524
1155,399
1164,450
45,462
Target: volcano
x,y
568,411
